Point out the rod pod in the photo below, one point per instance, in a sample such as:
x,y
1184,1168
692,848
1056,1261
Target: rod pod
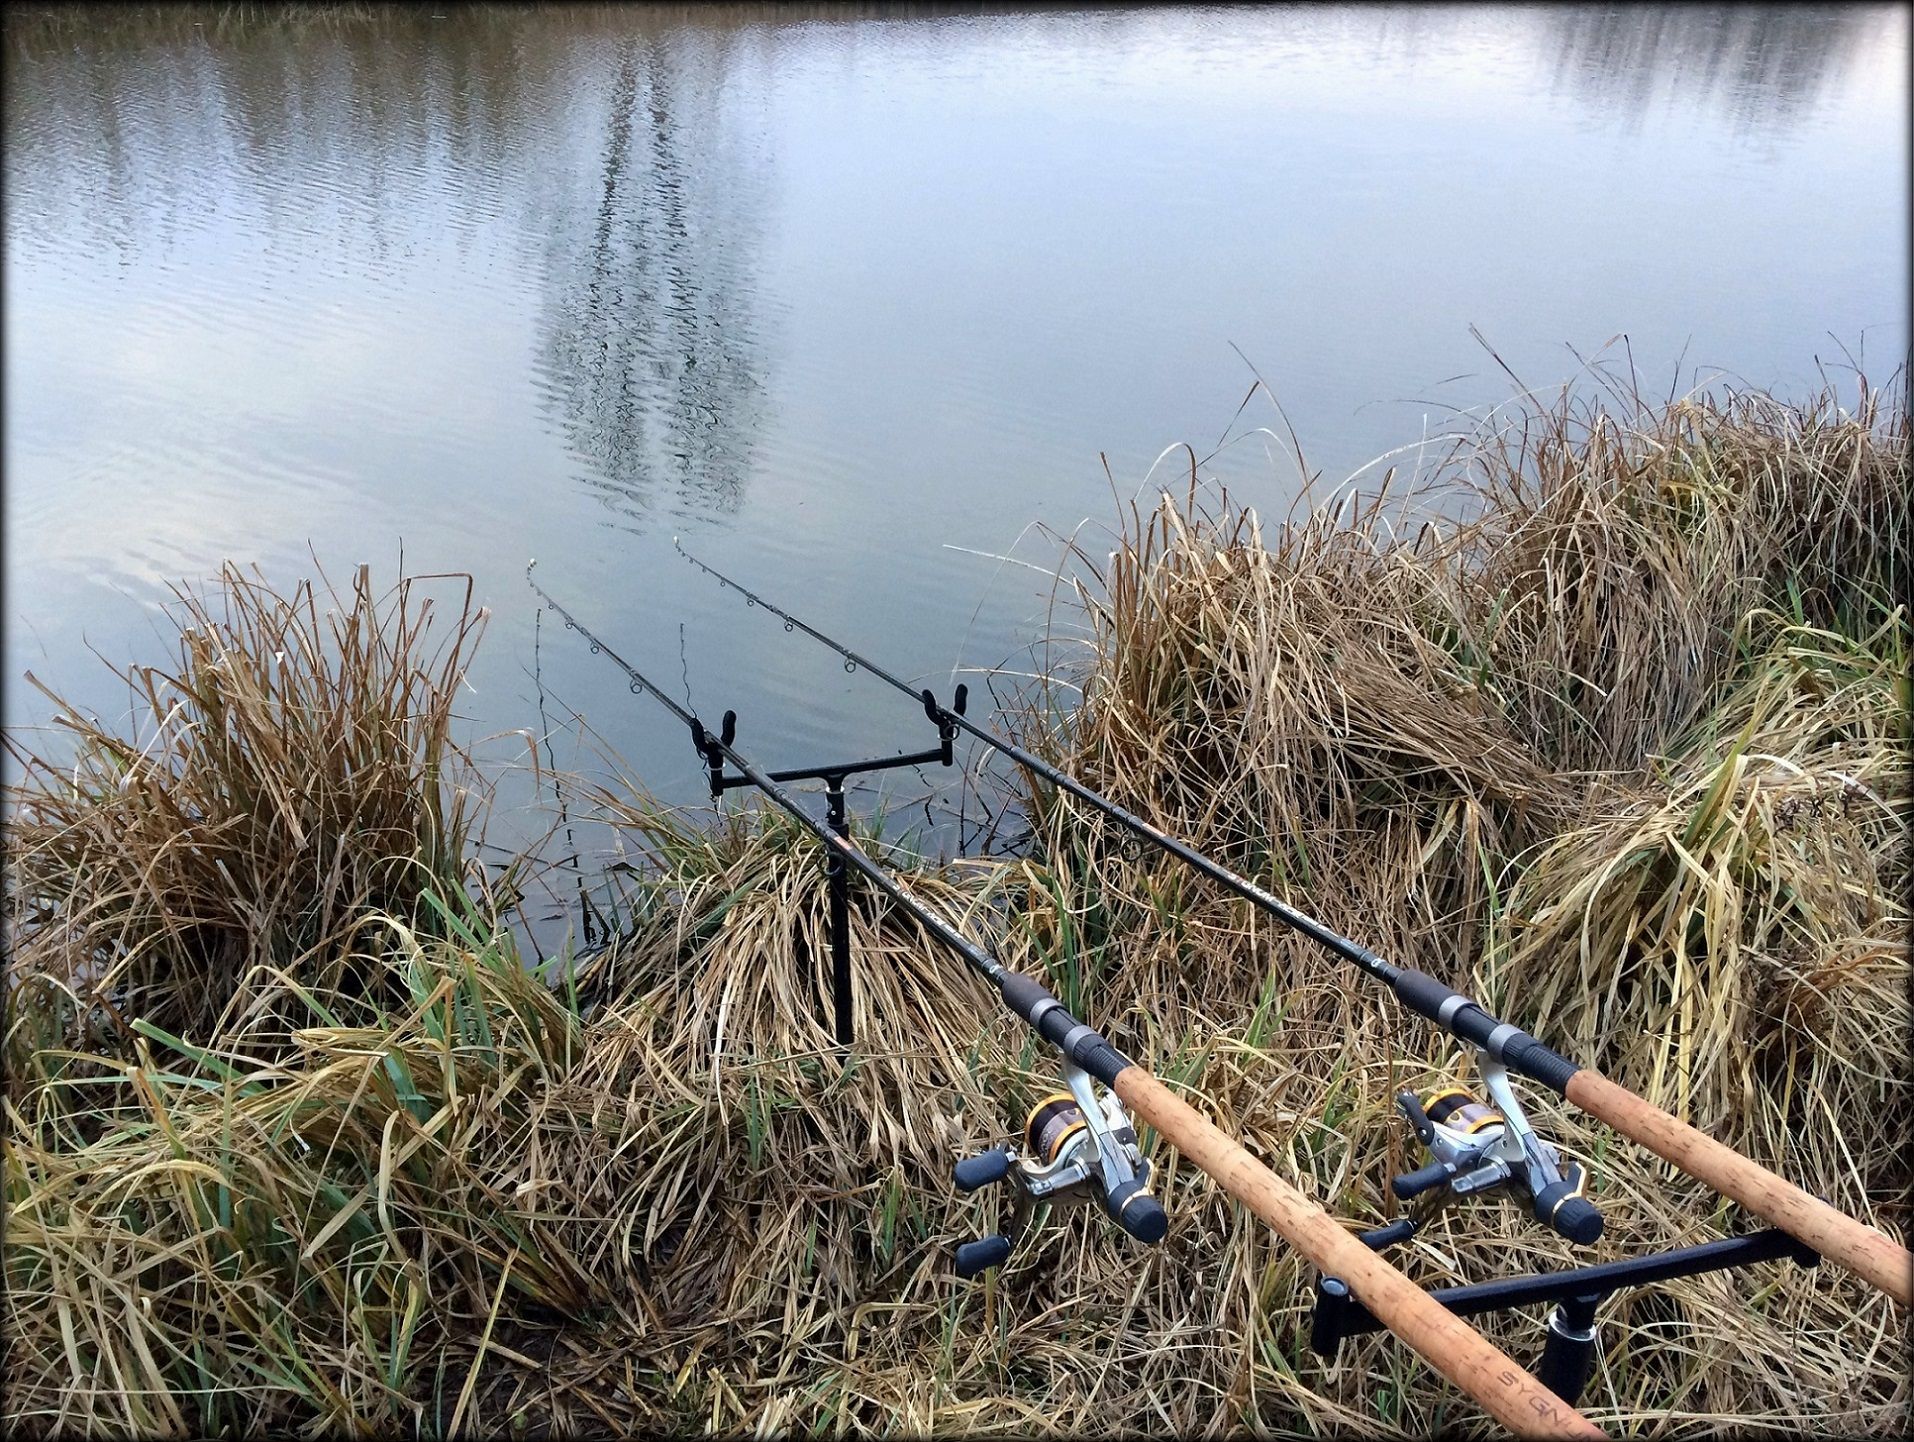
x,y
1867,1252
1446,1342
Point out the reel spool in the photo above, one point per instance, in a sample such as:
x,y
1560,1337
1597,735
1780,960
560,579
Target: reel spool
x,y
1075,1148
1050,1126
1455,1108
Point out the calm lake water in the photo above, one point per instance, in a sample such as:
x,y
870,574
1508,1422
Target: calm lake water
x,y
854,300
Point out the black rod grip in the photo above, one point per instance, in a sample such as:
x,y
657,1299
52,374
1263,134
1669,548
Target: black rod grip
x,y
1022,995
1422,993
1469,1022
1032,1001
981,1170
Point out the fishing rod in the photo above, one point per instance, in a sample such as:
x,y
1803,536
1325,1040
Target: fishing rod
x,y
1112,1171
1867,1252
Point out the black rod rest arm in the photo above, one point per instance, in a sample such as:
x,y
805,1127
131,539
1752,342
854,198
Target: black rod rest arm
x,y
711,750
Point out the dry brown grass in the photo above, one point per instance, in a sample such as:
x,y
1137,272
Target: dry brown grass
x,y
289,776
315,1243
1625,755
1624,752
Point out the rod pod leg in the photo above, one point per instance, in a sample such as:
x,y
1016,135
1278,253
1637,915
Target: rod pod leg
x,y
1569,1354
838,875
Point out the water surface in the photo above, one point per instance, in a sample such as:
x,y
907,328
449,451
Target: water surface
x,y
853,299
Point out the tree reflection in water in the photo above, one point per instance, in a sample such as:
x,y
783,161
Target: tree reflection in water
x,y
613,166
1763,66
650,350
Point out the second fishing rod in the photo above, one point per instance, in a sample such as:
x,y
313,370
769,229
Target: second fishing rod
x,y
1863,1250
1441,1337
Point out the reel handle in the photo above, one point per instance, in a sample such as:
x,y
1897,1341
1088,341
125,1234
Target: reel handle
x,y
981,1170
1400,1230
1414,1184
982,1254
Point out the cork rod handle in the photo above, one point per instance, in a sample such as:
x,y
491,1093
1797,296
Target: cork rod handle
x,y
1444,1340
1839,1238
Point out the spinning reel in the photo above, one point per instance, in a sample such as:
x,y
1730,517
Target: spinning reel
x,y
1075,1148
1475,1148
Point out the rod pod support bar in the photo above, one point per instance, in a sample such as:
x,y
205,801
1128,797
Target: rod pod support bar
x,y
713,753
1571,1345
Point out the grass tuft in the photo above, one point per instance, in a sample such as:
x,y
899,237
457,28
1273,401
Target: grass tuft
x,y
290,776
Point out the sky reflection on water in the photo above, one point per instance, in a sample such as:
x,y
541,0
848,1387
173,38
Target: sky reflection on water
x,y
854,301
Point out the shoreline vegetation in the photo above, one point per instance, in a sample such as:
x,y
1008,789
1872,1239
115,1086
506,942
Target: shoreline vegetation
x,y
1605,720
